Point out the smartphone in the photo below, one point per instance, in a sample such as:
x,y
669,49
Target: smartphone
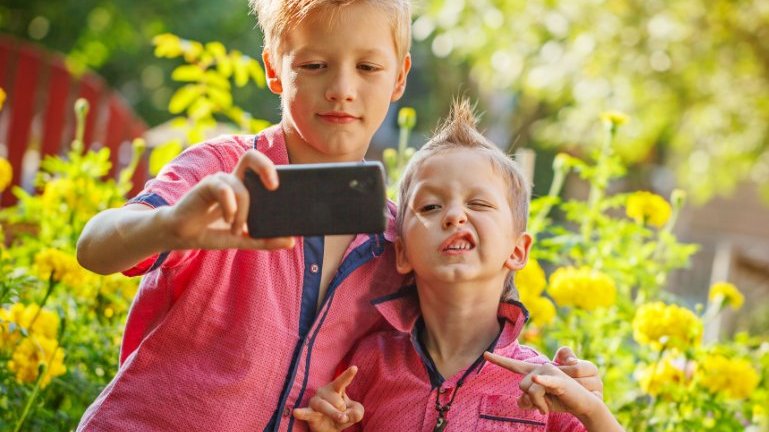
x,y
318,199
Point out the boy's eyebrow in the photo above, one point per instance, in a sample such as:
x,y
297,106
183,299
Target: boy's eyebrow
x,y
323,51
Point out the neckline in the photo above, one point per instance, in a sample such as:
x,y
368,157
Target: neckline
x,y
436,379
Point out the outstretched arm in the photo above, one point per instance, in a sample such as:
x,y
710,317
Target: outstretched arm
x,y
211,215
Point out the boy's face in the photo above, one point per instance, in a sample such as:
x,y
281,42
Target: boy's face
x,y
337,72
458,226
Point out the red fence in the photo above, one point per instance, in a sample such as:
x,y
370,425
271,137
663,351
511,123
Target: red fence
x,y
38,113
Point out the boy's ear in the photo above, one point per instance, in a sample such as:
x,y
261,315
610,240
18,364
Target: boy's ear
x,y
520,254
400,82
402,263
273,79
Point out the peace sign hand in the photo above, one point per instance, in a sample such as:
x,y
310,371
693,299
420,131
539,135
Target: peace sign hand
x,y
330,409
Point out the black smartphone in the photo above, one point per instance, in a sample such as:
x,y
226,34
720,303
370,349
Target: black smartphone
x,y
318,199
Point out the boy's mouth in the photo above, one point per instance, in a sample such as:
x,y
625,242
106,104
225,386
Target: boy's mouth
x,y
461,241
339,117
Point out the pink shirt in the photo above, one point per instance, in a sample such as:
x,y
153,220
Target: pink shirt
x,y
397,381
230,340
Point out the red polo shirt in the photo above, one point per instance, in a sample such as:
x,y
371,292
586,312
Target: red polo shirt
x,y
230,340
398,383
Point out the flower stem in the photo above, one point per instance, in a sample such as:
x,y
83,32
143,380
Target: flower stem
x,y
598,184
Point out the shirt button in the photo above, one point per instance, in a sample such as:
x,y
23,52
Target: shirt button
x,y
286,412
314,268
442,390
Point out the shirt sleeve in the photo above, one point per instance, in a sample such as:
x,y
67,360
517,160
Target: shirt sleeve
x,y
175,180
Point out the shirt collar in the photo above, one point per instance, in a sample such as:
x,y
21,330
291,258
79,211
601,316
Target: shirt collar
x,y
401,311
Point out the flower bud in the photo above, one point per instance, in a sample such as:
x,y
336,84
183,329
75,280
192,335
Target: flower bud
x,y
614,118
390,157
561,162
677,198
407,117
81,107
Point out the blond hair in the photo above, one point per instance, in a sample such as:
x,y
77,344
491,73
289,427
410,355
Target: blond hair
x,y
276,17
459,132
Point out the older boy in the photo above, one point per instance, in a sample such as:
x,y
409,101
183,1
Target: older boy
x,y
461,232
222,336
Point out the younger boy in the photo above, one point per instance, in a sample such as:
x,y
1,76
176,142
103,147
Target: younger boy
x,y
222,336
461,232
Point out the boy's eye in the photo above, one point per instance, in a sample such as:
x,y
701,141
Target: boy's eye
x,y
428,208
368,67
480,204
312,66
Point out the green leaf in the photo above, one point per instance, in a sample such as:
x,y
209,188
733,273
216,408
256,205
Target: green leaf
x,y
187,73
240,68
163,154
220,97
257,74
183,97
215,79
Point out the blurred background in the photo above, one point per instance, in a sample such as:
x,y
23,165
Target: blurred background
x,y
693,77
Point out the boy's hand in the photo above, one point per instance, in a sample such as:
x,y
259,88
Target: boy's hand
x,y
213,214
547,388
585,372
330,409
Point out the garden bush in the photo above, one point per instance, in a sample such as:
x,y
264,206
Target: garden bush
x,y
608,258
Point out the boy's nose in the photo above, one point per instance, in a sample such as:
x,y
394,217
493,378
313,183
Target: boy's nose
x,y
341,88
455,216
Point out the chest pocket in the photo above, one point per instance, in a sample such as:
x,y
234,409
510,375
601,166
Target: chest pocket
x,y
501,413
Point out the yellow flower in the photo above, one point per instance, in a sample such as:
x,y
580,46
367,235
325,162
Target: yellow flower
x,y
59,192
726,293
646,207
64,268
660,325
583,287
46,323
614,118
6,174
736,378
662,376
2,98
541,310
530,280
33,352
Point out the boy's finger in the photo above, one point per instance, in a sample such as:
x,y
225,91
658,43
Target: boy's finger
x,y
537,395
517,366
355,412
552,384
216,190
242,199
525,402
565,356
328,409
261,164
304,414
344,379
270,243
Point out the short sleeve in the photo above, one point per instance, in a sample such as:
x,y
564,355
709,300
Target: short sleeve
x,y
177,178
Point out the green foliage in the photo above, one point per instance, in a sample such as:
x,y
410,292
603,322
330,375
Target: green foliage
x,y
60,325
207,92
692,74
